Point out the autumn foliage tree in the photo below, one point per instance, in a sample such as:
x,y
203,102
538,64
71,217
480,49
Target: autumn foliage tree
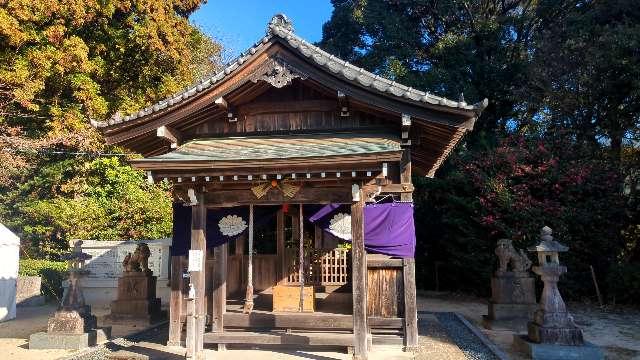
x,y
63,63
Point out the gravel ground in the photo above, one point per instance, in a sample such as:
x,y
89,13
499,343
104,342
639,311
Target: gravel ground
x,y
434,342
468,343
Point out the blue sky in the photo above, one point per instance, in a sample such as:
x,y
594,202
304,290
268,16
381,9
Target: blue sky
x,y
239,23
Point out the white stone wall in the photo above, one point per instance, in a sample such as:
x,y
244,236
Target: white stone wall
x,y
9,256
100,287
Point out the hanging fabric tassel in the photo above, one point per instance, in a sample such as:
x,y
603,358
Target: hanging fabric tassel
x,y
301,261
248,303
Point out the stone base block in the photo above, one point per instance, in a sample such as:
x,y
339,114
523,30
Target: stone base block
x,y
518,325
571,336
513,288
71,322
43,340
502,311
125,319
32,301
587,351
135,307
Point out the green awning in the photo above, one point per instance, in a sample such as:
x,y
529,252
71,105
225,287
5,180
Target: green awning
x,y
278,147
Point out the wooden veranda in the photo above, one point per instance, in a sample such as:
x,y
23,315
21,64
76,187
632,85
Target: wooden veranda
x,y
287,125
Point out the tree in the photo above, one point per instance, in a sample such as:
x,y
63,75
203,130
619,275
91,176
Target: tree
x,y
455,47
64,62
100,199
586,73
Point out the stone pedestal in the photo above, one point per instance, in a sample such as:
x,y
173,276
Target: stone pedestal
x,y
512,301
586,351
43,340
137,302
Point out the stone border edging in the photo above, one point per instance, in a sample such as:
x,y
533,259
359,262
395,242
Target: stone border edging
x,y
488,343
97,347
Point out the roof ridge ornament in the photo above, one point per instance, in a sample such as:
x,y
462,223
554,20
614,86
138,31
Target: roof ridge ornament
x,y
277,72
280,20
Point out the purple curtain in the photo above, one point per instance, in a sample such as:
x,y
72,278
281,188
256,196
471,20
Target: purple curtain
x,y
182,225
388,228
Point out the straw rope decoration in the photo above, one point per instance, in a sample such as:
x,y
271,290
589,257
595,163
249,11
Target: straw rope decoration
x,y
288,189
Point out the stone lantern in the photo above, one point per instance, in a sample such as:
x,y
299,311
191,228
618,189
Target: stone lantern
x,y
553,334
72,326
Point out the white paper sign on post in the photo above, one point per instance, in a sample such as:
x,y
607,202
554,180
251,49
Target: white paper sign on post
x,y
195,260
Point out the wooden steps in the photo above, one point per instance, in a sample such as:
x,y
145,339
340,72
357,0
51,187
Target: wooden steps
x,y
307,321
311,338
280,338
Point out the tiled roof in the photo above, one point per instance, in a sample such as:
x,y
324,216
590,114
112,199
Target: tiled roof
x,y
282,28
278,147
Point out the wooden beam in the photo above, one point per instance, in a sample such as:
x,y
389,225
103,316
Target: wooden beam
x,y
175,303
221,102
359,276
410,308
172,135
220,253
195,333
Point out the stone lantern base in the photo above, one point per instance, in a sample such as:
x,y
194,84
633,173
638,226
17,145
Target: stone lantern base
x,y
586,351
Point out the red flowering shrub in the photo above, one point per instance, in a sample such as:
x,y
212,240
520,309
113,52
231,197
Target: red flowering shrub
x,y
512,191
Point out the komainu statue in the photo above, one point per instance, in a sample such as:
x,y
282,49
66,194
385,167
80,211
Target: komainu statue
x,y
507,254
139,261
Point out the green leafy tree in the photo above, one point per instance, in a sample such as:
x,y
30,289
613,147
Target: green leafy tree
x,y
101,199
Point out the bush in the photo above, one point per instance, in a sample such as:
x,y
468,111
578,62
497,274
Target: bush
x,y
624,284
52,273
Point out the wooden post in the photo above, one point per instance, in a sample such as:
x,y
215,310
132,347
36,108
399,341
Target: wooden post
x,y
409,269
175,303
219,304
301,259
317,237
410,309
405,173
195,333
359,286
248,301
282,265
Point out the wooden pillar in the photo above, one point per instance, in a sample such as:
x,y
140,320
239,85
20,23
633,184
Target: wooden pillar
x,y
301,258
196,320
359,277
282,256
409,269
175,303
405,173
317,237
410,309
219,307
248,300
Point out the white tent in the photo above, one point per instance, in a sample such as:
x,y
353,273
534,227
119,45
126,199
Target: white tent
x,y
9,255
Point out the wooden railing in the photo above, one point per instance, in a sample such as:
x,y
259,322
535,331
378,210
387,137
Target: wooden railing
x,y
321,266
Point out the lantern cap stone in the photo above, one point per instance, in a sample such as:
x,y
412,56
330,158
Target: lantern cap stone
x,y
547,243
